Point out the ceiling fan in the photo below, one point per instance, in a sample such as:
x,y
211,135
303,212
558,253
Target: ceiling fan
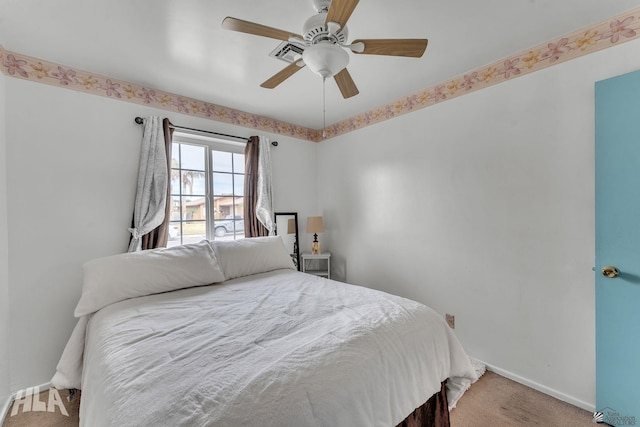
x,y
324,44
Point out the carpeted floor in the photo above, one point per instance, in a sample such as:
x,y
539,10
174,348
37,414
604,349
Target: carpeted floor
x,y
54,416
499,402
492,401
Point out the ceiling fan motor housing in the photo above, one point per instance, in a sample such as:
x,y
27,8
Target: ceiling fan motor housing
x,y
315,30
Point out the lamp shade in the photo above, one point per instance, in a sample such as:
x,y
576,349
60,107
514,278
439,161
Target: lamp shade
x,y
291,226
315,224
325,58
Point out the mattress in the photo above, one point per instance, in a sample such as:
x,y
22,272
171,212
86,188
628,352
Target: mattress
x,y
280,348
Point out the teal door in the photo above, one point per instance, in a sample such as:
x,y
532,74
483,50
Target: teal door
x,y
617,157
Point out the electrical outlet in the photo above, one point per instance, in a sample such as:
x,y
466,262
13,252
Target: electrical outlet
x,y
451,320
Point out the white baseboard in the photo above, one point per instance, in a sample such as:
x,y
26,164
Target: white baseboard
x,y
12,398
543,389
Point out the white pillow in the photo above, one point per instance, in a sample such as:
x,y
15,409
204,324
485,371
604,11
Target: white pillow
x,y
115,278
254,255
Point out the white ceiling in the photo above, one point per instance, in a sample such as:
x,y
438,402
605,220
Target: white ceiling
x,y
180,47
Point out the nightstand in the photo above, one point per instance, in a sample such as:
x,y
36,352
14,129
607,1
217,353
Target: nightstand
x,y
320,265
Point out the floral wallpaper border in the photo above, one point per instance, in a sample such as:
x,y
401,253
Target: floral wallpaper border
x,y
29,68
619,29
622,28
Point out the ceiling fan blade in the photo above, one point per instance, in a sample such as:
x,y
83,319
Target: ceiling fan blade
x,y
236,24
340,11
346,84
282,75
394,47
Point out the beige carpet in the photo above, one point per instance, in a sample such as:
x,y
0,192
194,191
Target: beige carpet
x,y
492,401
54,416
496,401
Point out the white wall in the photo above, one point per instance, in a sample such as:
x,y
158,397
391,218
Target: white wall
x,y
72,161
483,207
294,166
5,389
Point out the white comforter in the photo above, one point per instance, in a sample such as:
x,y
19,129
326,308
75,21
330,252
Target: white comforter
x,y
274,349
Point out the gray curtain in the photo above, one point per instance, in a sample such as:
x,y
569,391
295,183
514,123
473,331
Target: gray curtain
x,y
158,237
153,181
264,202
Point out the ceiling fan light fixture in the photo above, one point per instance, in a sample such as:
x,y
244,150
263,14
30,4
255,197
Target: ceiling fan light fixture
x,y
325,59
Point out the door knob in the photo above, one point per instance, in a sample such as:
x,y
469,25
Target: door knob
x,y
610,271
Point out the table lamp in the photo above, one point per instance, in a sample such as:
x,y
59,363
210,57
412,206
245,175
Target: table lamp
x,y
315,226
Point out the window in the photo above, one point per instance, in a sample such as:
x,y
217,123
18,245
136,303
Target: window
x,y
207,189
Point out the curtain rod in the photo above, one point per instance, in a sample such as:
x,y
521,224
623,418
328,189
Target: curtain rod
x,y
139,120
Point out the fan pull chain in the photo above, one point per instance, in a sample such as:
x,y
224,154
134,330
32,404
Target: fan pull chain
x,y
324,108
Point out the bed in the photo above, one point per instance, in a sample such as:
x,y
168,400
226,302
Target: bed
x,y
230,334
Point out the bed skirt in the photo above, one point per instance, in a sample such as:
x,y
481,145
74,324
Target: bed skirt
x,y
434,412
